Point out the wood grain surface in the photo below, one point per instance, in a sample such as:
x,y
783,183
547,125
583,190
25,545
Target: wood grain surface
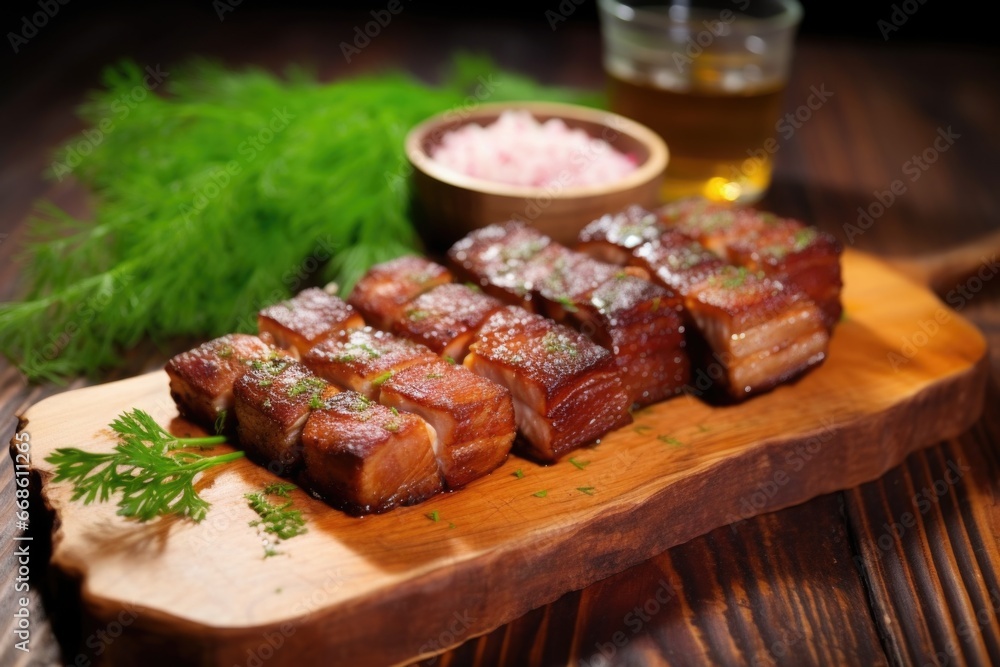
x,y
497,549
888,102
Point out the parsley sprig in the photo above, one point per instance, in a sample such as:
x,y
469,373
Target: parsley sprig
x,y
152,469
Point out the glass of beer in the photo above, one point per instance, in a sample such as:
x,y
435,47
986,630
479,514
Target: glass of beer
x,y
709,77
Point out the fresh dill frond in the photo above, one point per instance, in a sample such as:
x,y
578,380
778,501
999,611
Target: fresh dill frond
x,y
152,469
308,179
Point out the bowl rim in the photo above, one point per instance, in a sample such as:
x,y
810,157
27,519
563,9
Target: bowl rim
x,y
653,167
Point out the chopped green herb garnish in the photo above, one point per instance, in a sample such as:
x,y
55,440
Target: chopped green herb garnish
x,y
555,343
346,357
220,422
434,376
642,428
394,411
362,403
391,426
266,403
315,402
433,515
451,525
735,278
702,428
448,359
265,382
518,473
283,489
656,303
417,315
578,463
567,303
305,385
670,440
383,378
282,521
541,494
474,287
589,490
225,352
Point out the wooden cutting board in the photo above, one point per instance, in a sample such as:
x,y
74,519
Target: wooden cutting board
x,y
904,371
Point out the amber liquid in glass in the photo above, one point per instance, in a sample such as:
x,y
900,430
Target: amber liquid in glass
x,y
716,139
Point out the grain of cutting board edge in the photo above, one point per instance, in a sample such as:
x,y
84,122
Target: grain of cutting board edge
x,y
682,469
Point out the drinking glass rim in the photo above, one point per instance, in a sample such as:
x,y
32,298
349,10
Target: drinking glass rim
x,y
790,15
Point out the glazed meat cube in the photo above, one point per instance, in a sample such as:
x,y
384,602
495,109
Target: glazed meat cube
x,y
566,388
363,457
472,417
303,321
639,323
563,278
445,318
801,256
783,249
761,332
273,401
385,291
497,258
201,380
612,237
363,359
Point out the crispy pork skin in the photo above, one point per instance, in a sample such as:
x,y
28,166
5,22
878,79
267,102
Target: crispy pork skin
x,y
386,290
472,417
363,359
303,321
273,401
565,387
201,380
364,457
638,322
445,318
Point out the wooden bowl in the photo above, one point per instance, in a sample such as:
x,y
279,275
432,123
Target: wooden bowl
x,y
453,204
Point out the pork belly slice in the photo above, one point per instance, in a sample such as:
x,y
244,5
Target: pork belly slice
x,y
612,237
201,380
782,248
273,401
498,259
639,323
760,331
363,359
385,291
798,255
364,458
472,417
306,319
566,388
445,318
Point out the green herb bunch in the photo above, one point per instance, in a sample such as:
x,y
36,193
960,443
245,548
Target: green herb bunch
x,y
218,194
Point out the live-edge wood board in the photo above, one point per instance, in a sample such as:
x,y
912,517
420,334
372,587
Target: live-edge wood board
x,y
903,372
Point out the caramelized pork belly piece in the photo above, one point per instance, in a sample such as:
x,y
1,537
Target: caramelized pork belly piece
x,y
566,388
801,256
303,321
363,359
201,380
612,237
784,249
364,458
497,258
760,331
445,318
472,417
385,291
639,323
273,401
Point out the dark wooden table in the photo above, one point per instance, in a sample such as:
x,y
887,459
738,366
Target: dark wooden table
x,y
903,570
